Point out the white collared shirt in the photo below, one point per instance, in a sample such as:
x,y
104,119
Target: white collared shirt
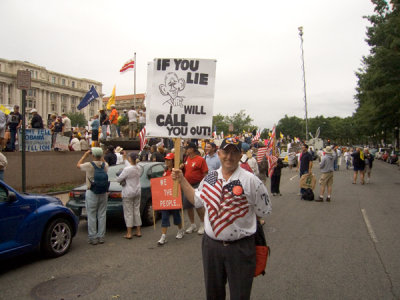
x,y
232,205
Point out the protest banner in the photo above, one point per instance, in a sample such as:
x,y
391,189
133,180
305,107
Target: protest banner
x,y
161,194
62,142
35,140
180,98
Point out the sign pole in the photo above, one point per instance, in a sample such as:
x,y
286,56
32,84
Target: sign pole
x,y
177,161
23,142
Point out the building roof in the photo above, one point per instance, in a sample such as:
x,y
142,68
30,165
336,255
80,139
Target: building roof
x,y
126,97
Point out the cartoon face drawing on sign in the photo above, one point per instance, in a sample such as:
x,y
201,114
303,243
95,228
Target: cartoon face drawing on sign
x,y
173,85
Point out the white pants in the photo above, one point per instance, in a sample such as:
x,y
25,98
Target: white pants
x,y
131,206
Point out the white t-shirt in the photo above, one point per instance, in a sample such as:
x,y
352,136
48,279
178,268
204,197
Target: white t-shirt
x,y
132,115
232,205
75,144
67,124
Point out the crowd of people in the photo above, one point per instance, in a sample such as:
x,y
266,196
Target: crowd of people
x,y
101,127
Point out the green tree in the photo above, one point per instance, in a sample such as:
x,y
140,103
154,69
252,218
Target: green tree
x,y
292,126
220,123
77,119
240,121
378,90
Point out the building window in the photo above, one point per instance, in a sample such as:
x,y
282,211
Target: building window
x,y
73,100
63,98
91,112
73,109
53,96
53,79
63,81
32,92
53,107
73,84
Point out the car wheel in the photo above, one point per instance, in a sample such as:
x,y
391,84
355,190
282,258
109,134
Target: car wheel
x,y
57,238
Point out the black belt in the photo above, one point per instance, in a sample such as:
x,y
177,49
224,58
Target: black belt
x,y
227,243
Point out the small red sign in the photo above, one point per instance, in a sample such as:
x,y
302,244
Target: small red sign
x,y
161,194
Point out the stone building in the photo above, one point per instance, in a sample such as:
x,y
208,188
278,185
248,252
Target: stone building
x,y
127,101
50,92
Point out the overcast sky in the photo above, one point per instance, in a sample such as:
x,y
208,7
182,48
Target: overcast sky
x,y
256,45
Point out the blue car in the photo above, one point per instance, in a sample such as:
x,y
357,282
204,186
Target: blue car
x,y
30,222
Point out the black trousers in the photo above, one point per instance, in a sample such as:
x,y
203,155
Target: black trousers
x,y
235,262
275,182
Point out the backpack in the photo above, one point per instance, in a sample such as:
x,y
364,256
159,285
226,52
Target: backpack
x,y
100,183
245,165
308,194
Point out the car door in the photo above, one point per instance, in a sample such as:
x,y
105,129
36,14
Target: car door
x,y
12,216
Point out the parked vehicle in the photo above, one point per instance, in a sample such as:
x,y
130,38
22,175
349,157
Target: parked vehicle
x,y
29,222
393,157
284,157
114,205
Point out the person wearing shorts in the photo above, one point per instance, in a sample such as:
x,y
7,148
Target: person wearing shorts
x,y
195,169
326,180
358,165
165,214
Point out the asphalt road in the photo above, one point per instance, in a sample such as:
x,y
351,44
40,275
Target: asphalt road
x,y
319,251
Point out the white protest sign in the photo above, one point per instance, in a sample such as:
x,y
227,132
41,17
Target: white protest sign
x,y
36,140
62,142
180,98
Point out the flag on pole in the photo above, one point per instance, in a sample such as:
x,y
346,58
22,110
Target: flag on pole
x,y
89,97
4,109
261,152
111,101
142,136
257,137
130,64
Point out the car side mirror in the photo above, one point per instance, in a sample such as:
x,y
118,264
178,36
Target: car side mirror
x,y
12,197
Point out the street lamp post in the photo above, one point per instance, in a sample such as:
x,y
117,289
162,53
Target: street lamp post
x,y
304,77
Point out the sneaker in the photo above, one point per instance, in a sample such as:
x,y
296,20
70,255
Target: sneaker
x,y
328,199
180,234
162,240
92,241
101,240
201,229
192,228
320,199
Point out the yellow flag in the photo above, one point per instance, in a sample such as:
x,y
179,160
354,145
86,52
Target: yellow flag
x,y
281,135
361,155
4,109
112,99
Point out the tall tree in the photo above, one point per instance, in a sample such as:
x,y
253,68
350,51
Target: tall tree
x,y
77,119
378,90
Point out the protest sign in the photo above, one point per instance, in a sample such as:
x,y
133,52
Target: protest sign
x,y
35,140
62,142
180,98
161,194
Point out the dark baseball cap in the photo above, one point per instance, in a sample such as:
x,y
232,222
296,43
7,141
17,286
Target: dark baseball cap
x,y
231,142
191,145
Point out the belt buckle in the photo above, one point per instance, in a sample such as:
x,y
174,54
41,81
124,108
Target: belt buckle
x,y
225,243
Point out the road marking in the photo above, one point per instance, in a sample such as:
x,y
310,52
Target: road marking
x,y
369,227
293,177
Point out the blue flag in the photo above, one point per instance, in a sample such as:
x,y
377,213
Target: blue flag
x,y
89,97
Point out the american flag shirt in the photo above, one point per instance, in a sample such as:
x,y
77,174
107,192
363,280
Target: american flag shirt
x,y
232,205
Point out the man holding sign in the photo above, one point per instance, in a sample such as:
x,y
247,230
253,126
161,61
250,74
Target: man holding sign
x,y
232,198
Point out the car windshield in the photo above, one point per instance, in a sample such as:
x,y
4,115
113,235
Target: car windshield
x,y
112,171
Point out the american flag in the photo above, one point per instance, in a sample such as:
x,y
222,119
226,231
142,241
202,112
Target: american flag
x,y
128,65
256,138
142,136
224,205
272,160
261,152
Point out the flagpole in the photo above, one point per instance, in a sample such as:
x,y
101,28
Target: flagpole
x,y
134,79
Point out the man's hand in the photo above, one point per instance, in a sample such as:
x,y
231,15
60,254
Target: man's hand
x,y
177,175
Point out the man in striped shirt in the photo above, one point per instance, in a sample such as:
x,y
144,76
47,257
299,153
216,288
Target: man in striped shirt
x,y
233,198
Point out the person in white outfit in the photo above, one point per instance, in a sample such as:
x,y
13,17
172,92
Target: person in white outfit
x,y
131,193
